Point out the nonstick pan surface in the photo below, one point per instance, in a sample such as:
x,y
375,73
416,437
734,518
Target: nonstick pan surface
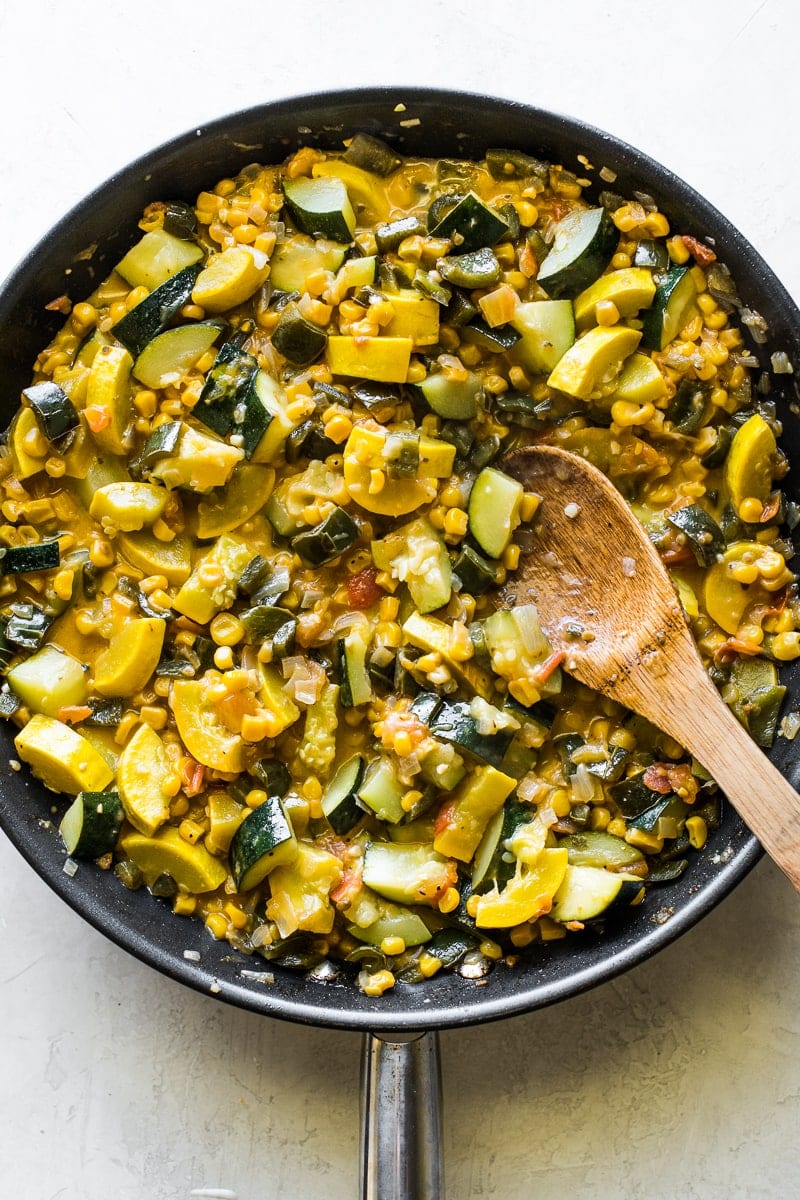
x,y
80,251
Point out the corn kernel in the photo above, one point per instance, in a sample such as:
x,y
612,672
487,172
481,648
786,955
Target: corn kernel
x,y
378,983
184,905
696,831
312,788
217,925
428,964
190,831
490,949
606,312
236,915
101,553
455,522
678,251
786,646
617,827
393,945
223,658
599,818
510,559
522,935
450,901
153,715
626,413
561,802
226,630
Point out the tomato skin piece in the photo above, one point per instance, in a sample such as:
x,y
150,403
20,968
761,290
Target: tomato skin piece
x,y
362,589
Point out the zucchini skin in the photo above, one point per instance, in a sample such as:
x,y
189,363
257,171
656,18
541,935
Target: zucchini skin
x,y
153,314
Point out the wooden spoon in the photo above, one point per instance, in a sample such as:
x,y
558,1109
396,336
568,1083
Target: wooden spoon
x,y
587,563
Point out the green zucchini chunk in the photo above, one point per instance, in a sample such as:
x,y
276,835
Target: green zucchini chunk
x,y
320,207
153,314
672,307
299,341
470,224
91,824
264,840
54,411
583,244
340,799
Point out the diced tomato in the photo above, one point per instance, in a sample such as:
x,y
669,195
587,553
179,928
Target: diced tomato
x,y
702,254
673,557
97,417
656,778
444,818
72,714
550,665
192,775
345,891
733,646
362,590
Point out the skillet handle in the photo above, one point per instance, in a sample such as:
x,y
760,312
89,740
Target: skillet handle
x,y
401,1128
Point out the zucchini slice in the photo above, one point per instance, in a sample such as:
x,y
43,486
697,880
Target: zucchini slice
x,y
299,340
548,330
354,680
340,799
470,224
598,849
143,771
61,757
594,360
230,278
454,723
153,314
264,840
90,826
371,154
320,207
392,921
701,532
407,873
22,560
583,244
381,792
417,555
173,353
54,411
295,259
749,465
628,289
672,307
453,399
493,514
156,258
167,853
587,892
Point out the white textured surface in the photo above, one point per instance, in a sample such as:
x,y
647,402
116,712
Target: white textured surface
x,y
680,1080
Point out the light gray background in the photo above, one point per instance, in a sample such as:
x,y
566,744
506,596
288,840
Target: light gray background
x,y
680,1080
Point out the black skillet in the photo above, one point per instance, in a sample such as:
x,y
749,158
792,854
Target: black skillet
x,y
401,1146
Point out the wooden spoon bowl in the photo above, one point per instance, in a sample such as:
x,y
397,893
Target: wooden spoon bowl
x,y
606,601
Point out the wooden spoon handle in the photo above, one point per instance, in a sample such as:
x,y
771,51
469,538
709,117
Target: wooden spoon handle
x,y
765,801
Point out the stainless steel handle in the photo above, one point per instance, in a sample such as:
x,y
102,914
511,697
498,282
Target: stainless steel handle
x,y
401,1128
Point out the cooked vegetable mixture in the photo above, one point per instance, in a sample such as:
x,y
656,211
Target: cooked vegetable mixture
x,y
255,520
